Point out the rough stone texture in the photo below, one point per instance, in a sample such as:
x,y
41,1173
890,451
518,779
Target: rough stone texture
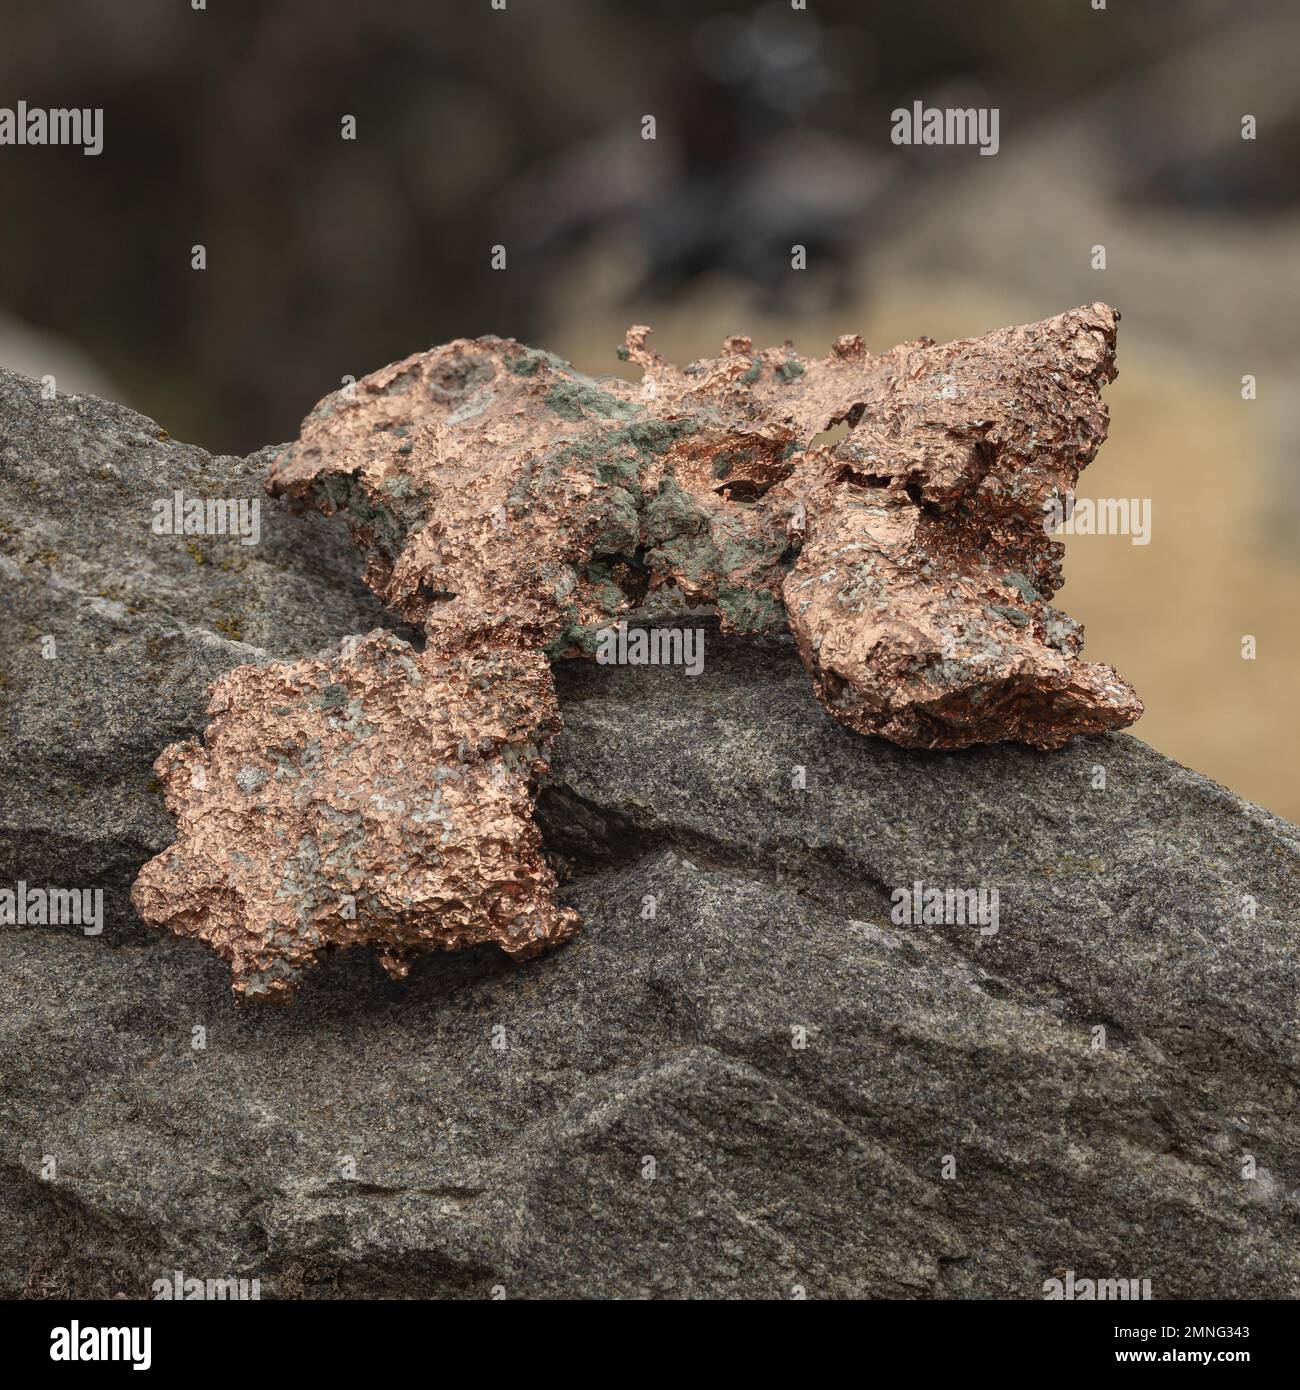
x,y
143,624
521,1164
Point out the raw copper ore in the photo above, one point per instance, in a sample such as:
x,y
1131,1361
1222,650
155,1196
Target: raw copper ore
x,y
375,796
503,497
515,508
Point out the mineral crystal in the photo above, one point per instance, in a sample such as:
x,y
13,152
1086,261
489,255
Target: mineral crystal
x,y
514,509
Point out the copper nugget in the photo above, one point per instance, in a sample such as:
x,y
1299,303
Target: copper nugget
x,y
372,796
514,507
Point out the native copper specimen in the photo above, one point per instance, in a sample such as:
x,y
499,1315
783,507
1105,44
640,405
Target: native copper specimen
x,y
511,506
373,795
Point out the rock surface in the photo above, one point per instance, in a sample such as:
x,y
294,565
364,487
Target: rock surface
x,y
750,1093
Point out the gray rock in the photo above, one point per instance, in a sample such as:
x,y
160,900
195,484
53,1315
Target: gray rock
x,y
141,625
754,1091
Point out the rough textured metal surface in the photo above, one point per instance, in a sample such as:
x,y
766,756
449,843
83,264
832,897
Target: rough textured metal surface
x,y
502,496
372,796
514,509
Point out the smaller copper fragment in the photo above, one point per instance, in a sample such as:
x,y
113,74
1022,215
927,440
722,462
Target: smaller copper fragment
x,y
372,795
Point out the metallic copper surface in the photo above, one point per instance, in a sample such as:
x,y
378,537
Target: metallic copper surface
x,y
515,508
502,496
372,795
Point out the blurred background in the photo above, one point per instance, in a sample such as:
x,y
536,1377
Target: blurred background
x,y
477,126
